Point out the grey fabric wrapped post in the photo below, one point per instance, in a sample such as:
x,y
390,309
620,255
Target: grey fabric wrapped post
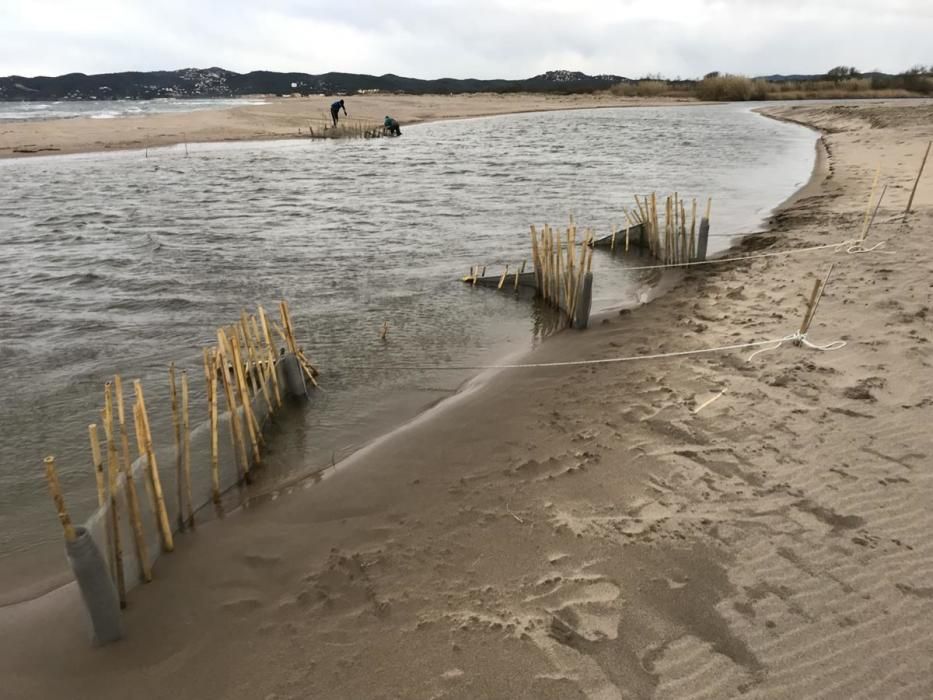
x,y
97,589
293,378
703,239
584,303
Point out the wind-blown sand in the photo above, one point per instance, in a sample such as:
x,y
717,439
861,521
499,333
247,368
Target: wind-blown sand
x,y
281,118
583,532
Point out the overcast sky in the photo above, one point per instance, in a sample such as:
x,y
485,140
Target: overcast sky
x,y
480,38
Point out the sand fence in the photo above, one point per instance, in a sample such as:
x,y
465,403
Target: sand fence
x,y
248,376
562,259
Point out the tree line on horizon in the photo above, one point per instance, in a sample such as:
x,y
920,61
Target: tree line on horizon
x,y
837,83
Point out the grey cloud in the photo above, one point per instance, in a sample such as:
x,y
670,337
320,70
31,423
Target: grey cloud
x,y
485,38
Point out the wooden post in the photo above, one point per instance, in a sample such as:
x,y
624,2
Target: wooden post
x,y
384,331
223,360
55,488
165,529
186,446
113,468
913,191
210,376
176,428
132,497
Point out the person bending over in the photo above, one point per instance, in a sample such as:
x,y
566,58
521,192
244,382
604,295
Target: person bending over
x,y
335,110
391,125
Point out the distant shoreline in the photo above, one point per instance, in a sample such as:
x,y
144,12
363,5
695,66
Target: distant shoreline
x,y
278,119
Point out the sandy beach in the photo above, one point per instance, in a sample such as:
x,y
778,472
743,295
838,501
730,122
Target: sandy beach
x,y
280,118
701,526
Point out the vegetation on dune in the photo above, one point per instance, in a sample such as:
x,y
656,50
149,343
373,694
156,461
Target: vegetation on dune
x,y
841,82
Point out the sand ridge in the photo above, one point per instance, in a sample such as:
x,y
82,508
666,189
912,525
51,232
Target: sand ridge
x,y
582,532
279,118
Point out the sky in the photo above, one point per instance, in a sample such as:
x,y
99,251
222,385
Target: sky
x,y
476,39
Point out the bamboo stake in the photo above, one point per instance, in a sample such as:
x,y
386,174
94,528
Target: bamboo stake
x,y
684,251
871,196
251,358
253,428
55,488
502,279
186,446
256,353
223,361
612,243
384,331
309,370
810,303
165,529
98,464
913,191
654,225
100,479
677,226
210,376
113,468
874,213
693,229
264,323
534,258
132,497
819,297
176,428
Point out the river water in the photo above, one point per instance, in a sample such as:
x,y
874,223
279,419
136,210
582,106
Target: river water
x,y
113,109
122,263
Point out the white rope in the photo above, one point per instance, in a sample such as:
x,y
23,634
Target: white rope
x,y
851,246
764,345
799,339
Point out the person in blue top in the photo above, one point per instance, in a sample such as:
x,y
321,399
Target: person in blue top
x,y
335,110
391,126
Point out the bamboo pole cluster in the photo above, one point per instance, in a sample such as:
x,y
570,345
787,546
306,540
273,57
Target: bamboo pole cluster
x,y
243,364
674,242
559,266
345,129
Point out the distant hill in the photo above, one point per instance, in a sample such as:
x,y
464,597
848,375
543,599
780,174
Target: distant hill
x,y
217,82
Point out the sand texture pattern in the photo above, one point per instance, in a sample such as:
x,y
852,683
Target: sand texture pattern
x,y
585,532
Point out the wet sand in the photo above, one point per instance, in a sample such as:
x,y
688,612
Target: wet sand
x,y
587,532
281,118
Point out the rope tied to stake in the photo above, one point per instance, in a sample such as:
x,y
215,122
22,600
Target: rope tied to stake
x,y
798,338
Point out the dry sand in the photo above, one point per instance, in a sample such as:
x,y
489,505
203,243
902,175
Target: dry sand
x,y
281,118
584,533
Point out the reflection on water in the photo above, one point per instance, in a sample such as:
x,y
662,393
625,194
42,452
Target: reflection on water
x,y
121,263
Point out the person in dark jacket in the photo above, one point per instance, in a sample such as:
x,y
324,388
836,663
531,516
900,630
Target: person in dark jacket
x,y
335,110
392,126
